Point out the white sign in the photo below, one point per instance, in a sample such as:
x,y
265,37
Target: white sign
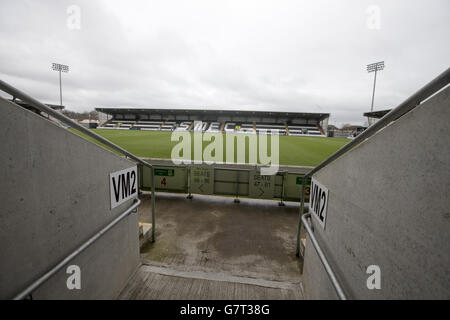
x,y
318,201
123,186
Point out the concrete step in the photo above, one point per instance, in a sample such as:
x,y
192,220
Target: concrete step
x,y
166,282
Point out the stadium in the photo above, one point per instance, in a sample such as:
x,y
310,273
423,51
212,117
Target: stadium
x,y
152,138
292,124
149,202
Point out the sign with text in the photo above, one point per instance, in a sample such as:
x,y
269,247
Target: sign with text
x,y
165,179
202,180
164,172
318,201
123,186
261,186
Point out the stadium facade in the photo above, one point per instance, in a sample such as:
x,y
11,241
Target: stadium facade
x,y
227,121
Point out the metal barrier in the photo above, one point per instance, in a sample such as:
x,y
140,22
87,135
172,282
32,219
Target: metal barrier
x,y
236,183
59,116
323,259
36,284
224,180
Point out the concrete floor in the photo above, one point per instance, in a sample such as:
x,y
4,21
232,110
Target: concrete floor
x,y
212,248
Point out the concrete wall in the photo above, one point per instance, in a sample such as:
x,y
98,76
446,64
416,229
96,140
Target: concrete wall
x,y
389,205
54,196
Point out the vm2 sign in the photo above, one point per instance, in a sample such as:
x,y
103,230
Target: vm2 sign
x,y
123,186
318,201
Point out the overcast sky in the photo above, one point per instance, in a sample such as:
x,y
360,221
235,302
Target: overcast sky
x,y
304,56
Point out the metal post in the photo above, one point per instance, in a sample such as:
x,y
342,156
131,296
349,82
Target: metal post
x,y
236,200
189,183
281,203
373,93
60,89
60,68
374,67
153,205
302,206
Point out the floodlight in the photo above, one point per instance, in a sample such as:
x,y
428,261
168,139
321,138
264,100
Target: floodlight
x,y
60,68
374,67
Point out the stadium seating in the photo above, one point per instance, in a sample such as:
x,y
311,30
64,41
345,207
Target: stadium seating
x,y
200,126
119,124
267,128
229,127
216,126
183,126
304,130
168,126
148,125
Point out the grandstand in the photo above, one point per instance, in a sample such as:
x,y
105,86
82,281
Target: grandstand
x,y
250,122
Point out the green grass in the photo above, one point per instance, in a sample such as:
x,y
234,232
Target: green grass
x,y
300,151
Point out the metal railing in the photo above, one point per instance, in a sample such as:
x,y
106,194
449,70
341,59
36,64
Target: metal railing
x,y
323,259
413,101
59,116
36,284
15,93
440,82
236,182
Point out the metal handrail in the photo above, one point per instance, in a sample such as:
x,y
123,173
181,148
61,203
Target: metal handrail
x,y
438,83
16,93
323,259
36,284
55,114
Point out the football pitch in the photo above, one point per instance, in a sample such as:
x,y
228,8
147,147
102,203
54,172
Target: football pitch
x,y
294,150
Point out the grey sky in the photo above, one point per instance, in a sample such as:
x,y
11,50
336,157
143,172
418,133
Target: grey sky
x,y
252,55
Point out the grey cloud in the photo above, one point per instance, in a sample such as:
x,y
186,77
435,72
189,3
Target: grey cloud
x,y
260,55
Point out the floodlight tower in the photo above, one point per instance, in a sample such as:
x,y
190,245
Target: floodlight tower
x,y
60,68
374,67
